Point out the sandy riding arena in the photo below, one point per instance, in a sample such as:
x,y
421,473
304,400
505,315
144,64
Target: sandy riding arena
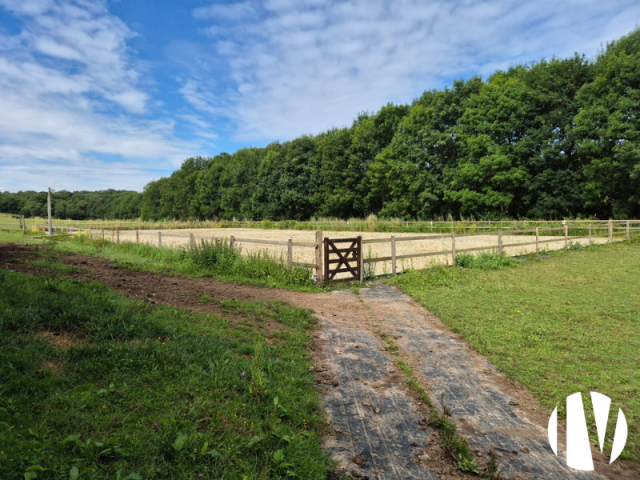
x,y
512,244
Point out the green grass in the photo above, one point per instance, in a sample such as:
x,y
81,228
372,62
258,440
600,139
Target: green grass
x,y
255,269
144,391
562,324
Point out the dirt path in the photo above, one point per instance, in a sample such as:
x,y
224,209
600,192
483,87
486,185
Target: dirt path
x,y
378,427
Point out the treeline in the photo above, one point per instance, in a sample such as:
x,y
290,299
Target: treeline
x,y
106,204
553,139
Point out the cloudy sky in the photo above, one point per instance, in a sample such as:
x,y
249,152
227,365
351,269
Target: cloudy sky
x,y
112,94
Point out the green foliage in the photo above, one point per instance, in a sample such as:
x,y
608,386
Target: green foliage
x,y
485,261
553,139
106,204
219,256
145,391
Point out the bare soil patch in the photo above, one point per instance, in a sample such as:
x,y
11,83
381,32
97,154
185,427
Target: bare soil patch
x,y
63,340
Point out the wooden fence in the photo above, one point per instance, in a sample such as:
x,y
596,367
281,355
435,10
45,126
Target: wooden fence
x,y
610,231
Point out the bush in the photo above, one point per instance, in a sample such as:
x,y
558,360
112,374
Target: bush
x,y
218,253
220,257
485,261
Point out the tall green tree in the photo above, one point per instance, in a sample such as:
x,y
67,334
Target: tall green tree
x,y
607,131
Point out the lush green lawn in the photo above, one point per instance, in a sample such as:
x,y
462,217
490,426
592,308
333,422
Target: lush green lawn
x,y
126,390
564,324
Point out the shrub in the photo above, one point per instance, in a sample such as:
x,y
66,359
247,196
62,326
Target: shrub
x,y
220,257
485,261
218,253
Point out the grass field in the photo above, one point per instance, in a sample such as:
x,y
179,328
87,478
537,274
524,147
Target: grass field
x,y
559,325
96,385
252,269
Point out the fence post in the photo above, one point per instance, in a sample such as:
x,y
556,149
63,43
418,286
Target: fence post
x,y
500,241
610,230
360,269
289,252
24,226
319,273
431,226
232,241
453,248
566,236
393,255
537,240
159,239
103,234
117,236
628,232
137,237
590,242
192,240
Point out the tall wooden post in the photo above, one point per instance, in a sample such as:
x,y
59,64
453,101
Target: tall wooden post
x,y
192,240
590,241
628,232
137,236
566,236
24,225
393,255
360,269
500,241
232,241
289,252
319,273
49,211
453,248
159,239
610,230
103,234
537,241
118,236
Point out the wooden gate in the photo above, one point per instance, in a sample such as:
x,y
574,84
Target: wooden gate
x,y
342,260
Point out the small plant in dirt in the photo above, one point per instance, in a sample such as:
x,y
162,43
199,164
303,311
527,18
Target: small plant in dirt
x,y
492,471
453,443
206,299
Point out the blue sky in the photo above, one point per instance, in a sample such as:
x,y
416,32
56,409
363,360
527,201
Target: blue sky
x,y
112,94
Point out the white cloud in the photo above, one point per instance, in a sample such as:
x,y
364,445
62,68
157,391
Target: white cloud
x,y
73,112
303,66
233,11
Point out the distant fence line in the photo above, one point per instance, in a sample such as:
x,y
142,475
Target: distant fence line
x,y
352,225
612,230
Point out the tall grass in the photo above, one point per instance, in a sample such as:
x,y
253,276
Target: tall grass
x,y
220,256
485,261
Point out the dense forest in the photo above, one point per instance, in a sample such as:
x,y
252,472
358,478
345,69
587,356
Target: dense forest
x,y
559,138
106,204
554,139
